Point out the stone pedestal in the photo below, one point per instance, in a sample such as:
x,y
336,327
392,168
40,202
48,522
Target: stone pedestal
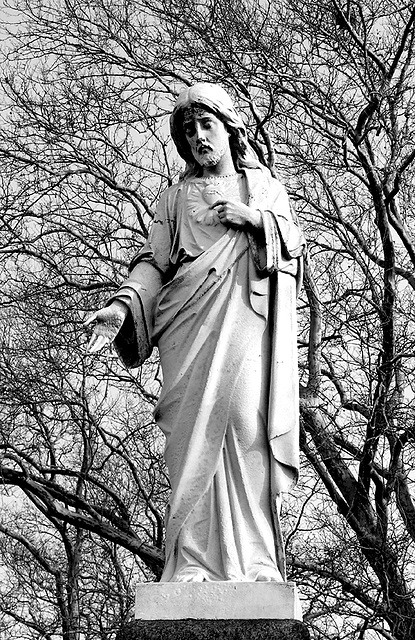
x,y
214,630
217,601
216,611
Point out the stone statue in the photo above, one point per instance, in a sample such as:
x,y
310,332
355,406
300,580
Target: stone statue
x,y
215,289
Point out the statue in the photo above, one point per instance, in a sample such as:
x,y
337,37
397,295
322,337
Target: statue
x,y
215,289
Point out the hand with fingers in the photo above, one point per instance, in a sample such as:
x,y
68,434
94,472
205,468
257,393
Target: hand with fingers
x,y
237,214
106,324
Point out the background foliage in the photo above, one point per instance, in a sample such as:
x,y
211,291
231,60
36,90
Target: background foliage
x,y
327,88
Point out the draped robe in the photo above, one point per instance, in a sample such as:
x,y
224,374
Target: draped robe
x,y
224,322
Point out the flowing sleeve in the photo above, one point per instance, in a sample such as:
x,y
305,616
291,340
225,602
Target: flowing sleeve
x,y
280,243
148,271
274,281
157,249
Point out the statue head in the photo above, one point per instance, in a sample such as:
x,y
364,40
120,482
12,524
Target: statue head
x,y
213,99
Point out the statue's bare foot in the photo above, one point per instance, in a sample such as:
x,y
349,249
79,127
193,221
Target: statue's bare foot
x,y
269,575
192,574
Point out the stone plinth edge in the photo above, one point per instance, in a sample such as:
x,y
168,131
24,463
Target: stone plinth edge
x,y
214,630
217,601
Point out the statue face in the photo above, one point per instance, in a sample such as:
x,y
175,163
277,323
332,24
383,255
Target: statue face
x,y
207,137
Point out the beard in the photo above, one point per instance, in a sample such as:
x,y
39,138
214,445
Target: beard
x,y
212,158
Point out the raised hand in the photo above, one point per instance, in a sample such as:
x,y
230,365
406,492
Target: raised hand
x,y
107,323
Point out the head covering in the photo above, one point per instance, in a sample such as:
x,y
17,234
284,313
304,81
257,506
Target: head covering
x,y
216,100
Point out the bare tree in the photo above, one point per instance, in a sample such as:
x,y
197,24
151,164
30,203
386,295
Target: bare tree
x,y
327,90
59,581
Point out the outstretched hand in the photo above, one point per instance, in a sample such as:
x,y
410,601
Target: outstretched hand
x,y
107,323
237,214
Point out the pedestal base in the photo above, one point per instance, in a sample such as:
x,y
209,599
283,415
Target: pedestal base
x,y
217,601
214,630
216,611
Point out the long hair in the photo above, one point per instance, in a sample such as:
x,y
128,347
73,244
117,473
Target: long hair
x,y
215,100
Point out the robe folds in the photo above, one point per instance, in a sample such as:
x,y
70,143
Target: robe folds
x,y
220,306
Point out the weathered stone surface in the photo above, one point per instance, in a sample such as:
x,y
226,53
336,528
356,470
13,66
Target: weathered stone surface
x,y
214,630
217,601
201,290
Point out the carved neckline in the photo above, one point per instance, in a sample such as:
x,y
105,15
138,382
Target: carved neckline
x,y
227,176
